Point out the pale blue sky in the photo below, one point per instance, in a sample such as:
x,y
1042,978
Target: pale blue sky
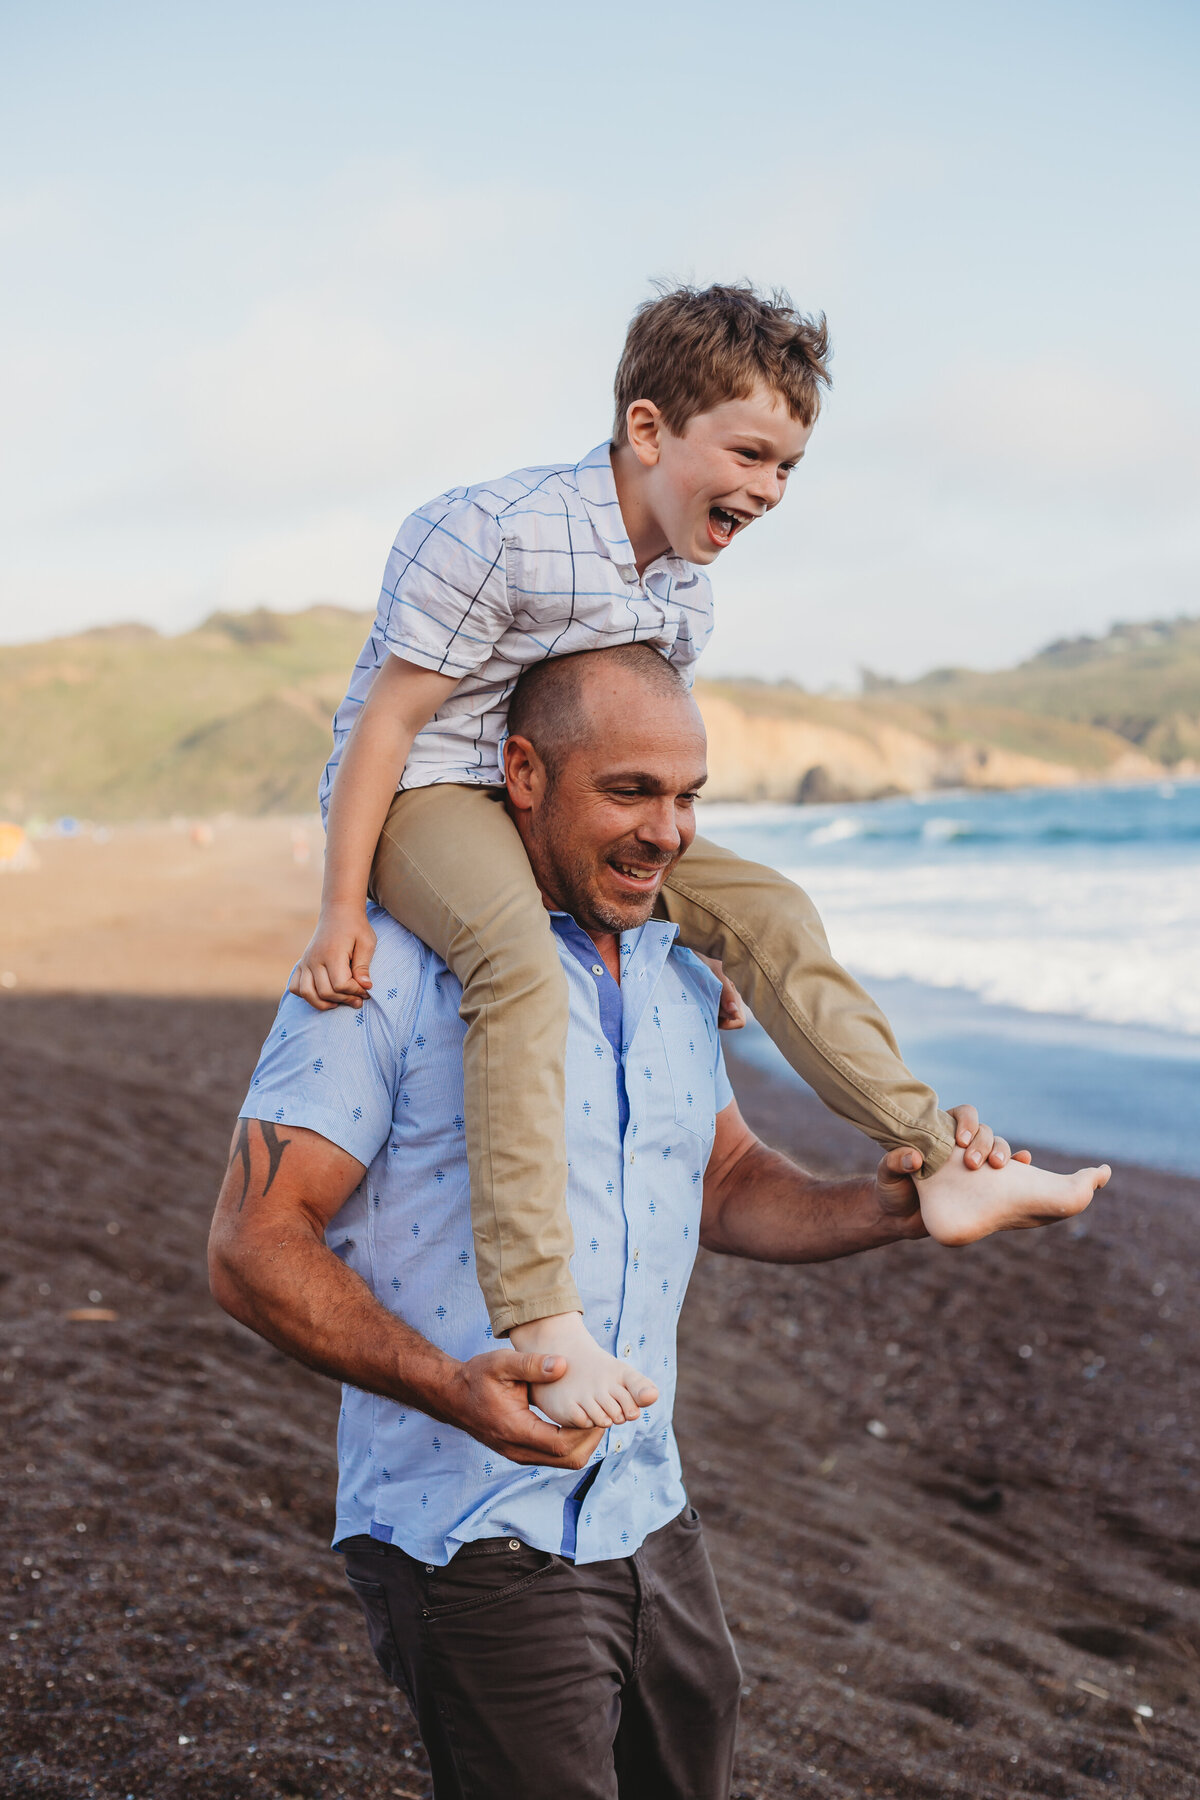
x,y
272,275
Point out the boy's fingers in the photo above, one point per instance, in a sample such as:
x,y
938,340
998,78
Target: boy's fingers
x,y
302,984
1000,1153
966,1123
981,1147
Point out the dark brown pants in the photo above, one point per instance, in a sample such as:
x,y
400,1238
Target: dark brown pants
x,y
533,1678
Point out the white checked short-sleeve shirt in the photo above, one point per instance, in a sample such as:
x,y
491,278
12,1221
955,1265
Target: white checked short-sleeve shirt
x,y
485,580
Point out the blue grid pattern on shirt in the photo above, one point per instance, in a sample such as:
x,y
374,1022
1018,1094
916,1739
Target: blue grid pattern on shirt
x,y
389,1091
485,580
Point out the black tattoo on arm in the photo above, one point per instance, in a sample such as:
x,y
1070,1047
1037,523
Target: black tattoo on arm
x,y
241,1150
275,1149
241,1153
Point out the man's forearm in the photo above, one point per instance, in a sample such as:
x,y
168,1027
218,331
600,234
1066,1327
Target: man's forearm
x,y
288,1286
763,1206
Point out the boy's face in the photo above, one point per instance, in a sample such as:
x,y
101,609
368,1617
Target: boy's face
x,y
728,468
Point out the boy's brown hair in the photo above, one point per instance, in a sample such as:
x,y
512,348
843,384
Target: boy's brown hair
x,y
693,348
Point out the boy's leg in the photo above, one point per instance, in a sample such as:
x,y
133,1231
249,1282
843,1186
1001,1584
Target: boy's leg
x,y
767,933
451,866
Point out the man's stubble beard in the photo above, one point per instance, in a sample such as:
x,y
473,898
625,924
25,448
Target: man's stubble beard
x,y
572,876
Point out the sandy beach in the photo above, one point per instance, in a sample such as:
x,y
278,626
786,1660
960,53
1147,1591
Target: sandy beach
x,y
950,1497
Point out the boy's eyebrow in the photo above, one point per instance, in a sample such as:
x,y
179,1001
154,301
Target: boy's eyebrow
x,y
762,443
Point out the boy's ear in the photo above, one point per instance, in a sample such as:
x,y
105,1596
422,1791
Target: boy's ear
x,y
644,429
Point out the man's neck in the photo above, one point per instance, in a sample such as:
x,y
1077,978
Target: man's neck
x,y
608,948
645,534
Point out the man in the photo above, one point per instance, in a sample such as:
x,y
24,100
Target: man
x,y
541,1594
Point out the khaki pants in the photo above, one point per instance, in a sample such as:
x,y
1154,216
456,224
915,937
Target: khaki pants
x,y
451,866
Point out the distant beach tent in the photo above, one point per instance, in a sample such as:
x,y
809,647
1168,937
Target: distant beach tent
x,y
16,851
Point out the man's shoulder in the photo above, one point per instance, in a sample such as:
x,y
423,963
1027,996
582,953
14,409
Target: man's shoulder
x,y
697,976
401,960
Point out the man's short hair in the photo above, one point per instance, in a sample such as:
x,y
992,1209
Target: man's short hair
x,y
548,707
694,348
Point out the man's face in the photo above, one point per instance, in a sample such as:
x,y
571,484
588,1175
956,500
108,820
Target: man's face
x,y
728,468
621,812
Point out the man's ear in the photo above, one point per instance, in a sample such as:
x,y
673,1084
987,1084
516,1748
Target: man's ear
x,y
524,774
644,428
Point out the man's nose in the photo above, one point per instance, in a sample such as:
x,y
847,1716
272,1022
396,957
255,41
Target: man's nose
x,y
658,827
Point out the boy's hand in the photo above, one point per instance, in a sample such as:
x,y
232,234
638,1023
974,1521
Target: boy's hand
x,y
732,1014
980,1142
335,970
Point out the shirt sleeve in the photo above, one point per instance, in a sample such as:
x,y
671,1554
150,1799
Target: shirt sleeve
x,y
335,1072
445,596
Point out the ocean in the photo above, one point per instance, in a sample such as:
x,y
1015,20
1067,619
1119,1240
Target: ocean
x,y
1037,952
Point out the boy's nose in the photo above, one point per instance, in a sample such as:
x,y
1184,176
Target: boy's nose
x,y
766,487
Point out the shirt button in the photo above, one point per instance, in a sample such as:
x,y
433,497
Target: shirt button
x,y
633,1156
626,1349
596,969
618,1445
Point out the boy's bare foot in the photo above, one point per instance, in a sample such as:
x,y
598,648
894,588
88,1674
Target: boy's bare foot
x,y
959,1205
596,1389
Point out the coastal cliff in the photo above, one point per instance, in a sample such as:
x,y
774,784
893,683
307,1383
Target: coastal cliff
x,y
779,744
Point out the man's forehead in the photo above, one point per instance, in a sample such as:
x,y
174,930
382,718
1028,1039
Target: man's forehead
x,y
642,731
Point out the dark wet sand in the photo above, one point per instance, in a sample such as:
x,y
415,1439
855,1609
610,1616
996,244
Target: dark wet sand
x,y
973,1604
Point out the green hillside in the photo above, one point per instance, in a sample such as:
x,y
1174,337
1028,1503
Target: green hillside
x,y
122,723
1140,681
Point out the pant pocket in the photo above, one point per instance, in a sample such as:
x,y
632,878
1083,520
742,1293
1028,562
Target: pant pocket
x,y
469,1584
372,1597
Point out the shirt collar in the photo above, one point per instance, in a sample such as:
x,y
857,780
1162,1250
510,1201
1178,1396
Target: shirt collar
x,y
598,491
644,952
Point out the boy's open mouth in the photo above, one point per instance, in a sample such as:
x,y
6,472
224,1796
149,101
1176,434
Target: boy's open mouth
x,y
724,523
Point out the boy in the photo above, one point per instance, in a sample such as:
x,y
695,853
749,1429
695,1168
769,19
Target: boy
x,y
717,393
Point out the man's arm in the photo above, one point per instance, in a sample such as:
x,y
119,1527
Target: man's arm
x,y
269,1267
758,1204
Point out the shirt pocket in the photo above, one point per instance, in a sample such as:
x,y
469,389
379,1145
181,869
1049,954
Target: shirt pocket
x,y
689,1054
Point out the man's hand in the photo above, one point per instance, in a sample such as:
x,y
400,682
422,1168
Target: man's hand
x,y
894,1185
488,1397
335,970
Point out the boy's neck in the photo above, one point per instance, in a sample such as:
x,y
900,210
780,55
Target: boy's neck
x,y
646,536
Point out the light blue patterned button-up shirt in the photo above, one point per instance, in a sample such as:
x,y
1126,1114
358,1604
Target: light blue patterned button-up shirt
x,y
385,1084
